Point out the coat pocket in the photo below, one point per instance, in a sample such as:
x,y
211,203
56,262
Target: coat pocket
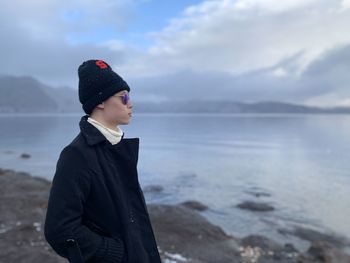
x,y
97,229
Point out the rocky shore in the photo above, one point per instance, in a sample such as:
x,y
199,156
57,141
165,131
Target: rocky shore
x,y
182,233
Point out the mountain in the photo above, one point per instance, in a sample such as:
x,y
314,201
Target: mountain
x,y
26,94
66,98
233,107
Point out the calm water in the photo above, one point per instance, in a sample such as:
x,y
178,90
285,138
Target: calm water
x,y
302,161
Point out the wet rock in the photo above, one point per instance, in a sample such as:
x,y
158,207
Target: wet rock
x,y
323,252
260,241
195,205
313,236
256,248
182,230
258,194
251,254
257,207
2,171
21,234
290,248
153,189
182,233
25,156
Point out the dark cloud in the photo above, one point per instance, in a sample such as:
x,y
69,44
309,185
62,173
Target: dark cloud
x,y
51,62
200,55
35,36
330,72
327,74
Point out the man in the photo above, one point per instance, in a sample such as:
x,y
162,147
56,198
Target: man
x,y
96,210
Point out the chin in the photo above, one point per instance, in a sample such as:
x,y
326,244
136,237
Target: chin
x,y
125,122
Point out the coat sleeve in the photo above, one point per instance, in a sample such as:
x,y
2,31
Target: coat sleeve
x,y
69,191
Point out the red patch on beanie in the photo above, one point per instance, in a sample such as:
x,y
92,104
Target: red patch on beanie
x,y
101,64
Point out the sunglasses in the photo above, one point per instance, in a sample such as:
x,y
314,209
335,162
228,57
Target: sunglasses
x,y
125,97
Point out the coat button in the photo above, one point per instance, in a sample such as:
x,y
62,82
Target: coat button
x,y
70,242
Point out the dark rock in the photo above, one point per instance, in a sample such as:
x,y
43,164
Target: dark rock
x,y
290,248
153,189
195,205
25,156
322,251
260,241
258,194
254,206
22,203
256,248
313,236
179,229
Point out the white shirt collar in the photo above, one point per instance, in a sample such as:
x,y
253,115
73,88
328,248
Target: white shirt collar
x,y
113,136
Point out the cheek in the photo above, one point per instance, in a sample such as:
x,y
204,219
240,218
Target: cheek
x,y
114,106
117,109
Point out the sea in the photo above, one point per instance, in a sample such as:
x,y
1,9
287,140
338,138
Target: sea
x,y
300,163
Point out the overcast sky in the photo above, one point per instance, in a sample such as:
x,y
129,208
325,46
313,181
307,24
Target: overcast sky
x,y
243,50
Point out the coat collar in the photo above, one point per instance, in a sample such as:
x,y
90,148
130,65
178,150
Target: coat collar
x,y
92,134
126,149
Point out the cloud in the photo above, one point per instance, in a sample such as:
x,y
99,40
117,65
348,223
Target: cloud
x,y
327,79
45,19
325,82
345,4
271,6
245,35
39,33
239,49
251,50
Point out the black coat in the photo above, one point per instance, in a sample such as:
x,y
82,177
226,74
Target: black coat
x,y
96,210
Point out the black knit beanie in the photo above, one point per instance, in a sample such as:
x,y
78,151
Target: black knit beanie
x,y
98,82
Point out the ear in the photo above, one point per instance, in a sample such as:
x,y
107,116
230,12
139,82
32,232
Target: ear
x,y
101,105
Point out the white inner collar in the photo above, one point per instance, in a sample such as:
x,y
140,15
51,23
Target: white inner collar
x,y
113,136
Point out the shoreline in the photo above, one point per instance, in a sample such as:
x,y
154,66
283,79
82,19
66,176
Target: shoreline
x,y
179,114
183,234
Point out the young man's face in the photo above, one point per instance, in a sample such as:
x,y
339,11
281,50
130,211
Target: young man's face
x,y
116,111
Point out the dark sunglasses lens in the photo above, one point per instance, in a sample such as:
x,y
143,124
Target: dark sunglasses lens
x,y
125,98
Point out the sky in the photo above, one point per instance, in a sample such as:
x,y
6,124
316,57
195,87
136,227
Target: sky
x,y
295,51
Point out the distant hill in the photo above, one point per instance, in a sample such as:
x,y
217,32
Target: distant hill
x,y
26,94
233,107
66,99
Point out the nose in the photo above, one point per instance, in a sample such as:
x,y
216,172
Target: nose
x,y
130,105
